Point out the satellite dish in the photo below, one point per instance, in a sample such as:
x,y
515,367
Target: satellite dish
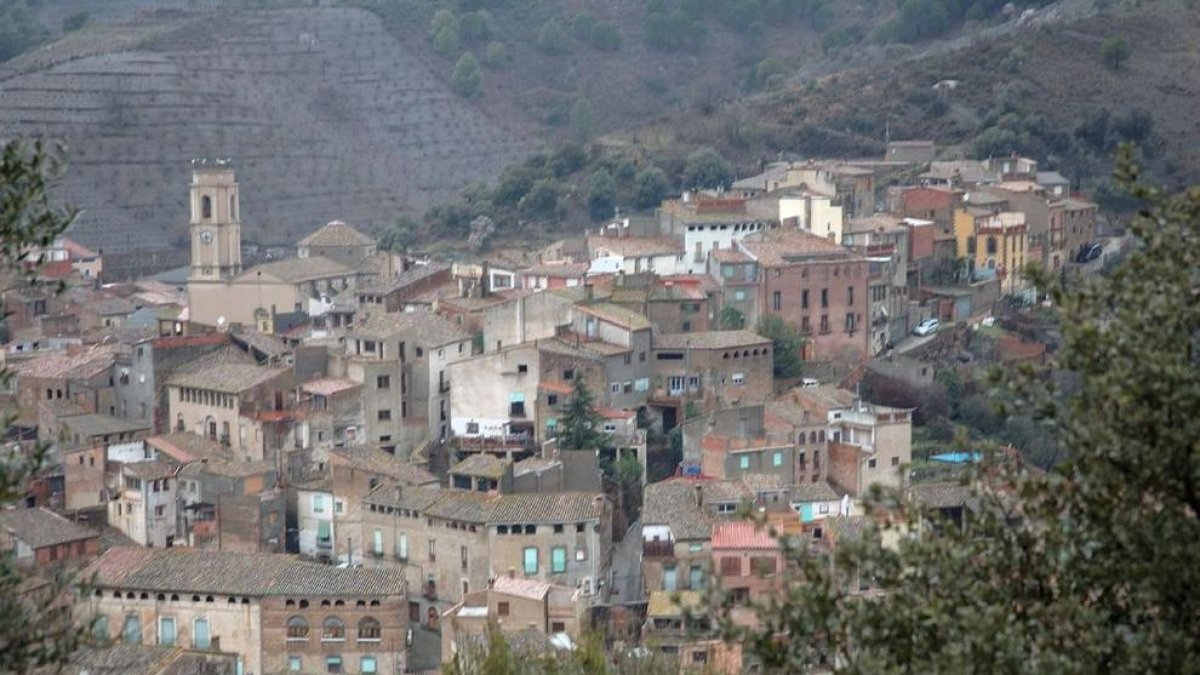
x,y
220,321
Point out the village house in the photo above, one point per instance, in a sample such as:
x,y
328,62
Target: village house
x,y
707,224
710,370
453,542
672,304
275,612
511,604
884,242
83,376
402,360
399,293
736,296
677,519
551,275
748,561
994,244
679,626
330,414
142,375
128,659
817,287
232,506
40,537
934,204
615,251
222,402
145,501
338,241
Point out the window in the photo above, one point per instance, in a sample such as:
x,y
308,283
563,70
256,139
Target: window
x,y
558,627
739,295
384,415
615,387
339,505
432,550
731,567
131,632
420,352
738,378
402,547
368,665
744,462
516,405
641,384
777,301
502,608
377,542
166,631
558,560
895,461
333,664
871,463
369,630
473,428
463,555
100,628
804,299
991,245
333,630
824,297
295,665
531,560
849,323
804,325
522,368
383,382
552,399
206,207
824,323
850,296
297,628
200,635
318,503
569,374
777,458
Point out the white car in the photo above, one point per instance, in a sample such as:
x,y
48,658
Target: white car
x,y
927,327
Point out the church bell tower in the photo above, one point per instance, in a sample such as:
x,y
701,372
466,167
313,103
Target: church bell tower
x,y
216,227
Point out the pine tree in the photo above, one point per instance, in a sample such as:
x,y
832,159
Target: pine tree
x,y
581,425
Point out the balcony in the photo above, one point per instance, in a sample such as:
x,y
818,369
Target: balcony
x,y
325,543
658,549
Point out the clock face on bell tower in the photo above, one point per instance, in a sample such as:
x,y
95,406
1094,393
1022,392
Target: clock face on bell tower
x,y
215,223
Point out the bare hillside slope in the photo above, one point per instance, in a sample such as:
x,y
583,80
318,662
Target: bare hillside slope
x,y
324,114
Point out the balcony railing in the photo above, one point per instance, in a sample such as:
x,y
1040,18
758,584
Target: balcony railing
x,y
658,549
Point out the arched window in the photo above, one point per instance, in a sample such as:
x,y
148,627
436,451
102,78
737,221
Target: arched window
x,y
206,207
333,629
297,628
821,436
812,437
131,632
368,629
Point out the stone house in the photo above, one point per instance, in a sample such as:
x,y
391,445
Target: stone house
x,y
935,204
145,499
677,519
736,276
819,288
679,626
232,506
995,244
42,538
509,604
80,376
142,375
617,252
338,241
275,612
403,362
712,370
399,293
884,242
330,414
215,401
708,224
451,542
551,275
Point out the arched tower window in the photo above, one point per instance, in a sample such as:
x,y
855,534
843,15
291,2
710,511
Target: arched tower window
x,y
206,207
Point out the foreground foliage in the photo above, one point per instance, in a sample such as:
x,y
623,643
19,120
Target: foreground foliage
x,y
1089,568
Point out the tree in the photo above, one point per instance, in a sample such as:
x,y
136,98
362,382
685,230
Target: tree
x,y
731,318
402,234
20,29
542,199
649,188
467,78
75,21
582,121
1115,51
787,346
581,424
1089,567
552,38
602,195
476,26
495,55
706,168
32,634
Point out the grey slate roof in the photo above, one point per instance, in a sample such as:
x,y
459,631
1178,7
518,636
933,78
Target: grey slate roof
x,y
487,508
673,503
336,233
427,328
716,339
228,573
228,378
384,464
41,527
483,465
296,270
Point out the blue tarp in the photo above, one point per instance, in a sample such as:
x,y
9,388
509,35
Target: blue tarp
x,y
956,457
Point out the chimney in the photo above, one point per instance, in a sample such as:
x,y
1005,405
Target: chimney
x,y
699,497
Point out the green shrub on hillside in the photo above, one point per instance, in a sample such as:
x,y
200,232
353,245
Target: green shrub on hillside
x,y
20,29
467,78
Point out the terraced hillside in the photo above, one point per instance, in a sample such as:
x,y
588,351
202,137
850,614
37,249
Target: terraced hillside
x,y
324,114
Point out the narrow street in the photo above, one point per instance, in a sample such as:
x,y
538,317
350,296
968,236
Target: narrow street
x,y
627,567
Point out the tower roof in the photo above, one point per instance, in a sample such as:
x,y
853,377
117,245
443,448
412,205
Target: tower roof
x,y
337,233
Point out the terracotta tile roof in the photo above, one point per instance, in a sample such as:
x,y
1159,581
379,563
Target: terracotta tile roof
x,y
409,277
616,314
561,388
40,527
247,574
229,468
381,463
224,356
227,377
58,366
152,469
764,482
634,247
336,233
784,247
728,255
400,496
483,465
876,223
943,494
522,588
847,527
111,306
95,424
426,328
267,345
557,270
328,386
716,339
814,492
742,535
614,414
564,507
77,250
819,400
296,270
673,503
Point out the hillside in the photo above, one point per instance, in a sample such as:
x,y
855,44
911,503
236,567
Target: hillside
x,y
324,113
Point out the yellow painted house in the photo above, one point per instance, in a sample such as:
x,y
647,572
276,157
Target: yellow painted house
x,y
994,242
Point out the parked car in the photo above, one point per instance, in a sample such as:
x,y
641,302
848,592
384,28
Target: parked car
x,y
1089,252
927,327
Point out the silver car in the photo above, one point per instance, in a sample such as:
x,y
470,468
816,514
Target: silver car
x,y
927,327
